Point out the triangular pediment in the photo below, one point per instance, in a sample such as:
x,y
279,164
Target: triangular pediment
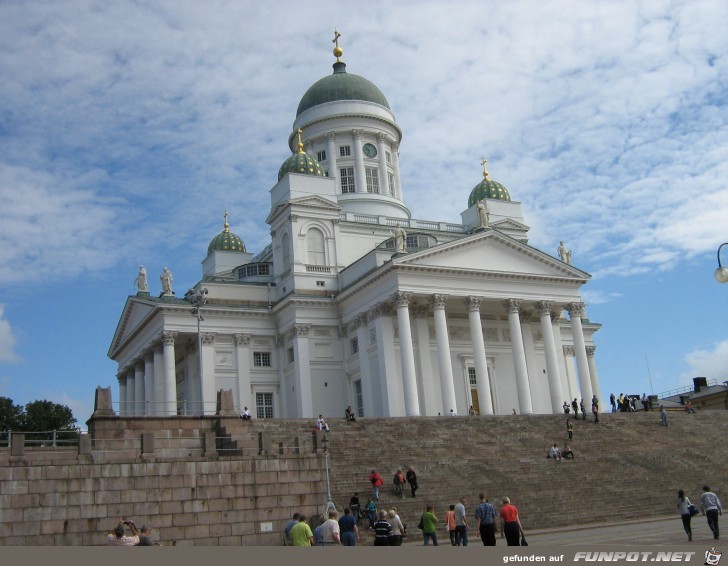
x,y
510,224
135,312
494,252
309,201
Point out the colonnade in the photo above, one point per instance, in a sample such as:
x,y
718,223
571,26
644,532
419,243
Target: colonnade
x,y
558,384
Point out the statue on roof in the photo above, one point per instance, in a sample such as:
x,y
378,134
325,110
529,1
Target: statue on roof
x,y
141,280
483,215
400,239
564,253
166,279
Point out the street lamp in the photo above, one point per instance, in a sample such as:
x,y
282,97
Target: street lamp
x,y
198,299
721,274
325,443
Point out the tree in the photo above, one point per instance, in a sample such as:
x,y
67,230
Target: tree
x,y
46,415
11,415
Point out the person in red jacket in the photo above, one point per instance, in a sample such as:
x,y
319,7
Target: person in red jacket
x,y
377,482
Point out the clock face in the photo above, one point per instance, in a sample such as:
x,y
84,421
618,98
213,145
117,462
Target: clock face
x,y
370,150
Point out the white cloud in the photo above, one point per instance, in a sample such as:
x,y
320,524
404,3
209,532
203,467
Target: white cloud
x,y
710,363
7,339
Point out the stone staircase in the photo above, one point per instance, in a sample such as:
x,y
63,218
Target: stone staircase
x,y
626,467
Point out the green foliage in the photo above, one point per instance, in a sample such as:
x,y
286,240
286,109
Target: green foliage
x,y
11,415
38,416
46,415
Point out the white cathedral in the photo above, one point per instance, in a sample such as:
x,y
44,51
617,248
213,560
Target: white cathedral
x,y
356,303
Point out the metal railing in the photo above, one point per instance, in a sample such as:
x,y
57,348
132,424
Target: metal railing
x,y
182,408
42,439
686,389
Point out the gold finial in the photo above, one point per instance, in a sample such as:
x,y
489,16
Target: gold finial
x,y
300,143
485,172
338,51
227,226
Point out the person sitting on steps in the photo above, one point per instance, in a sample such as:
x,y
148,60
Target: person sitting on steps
x,y
567,452
554,453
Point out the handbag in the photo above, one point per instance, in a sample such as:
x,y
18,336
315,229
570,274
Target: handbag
x,y
693,510
524,542
420,525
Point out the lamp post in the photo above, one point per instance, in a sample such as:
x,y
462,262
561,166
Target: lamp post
x,y
198,299
721,274
325,443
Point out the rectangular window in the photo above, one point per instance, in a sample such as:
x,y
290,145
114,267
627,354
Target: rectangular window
x,y
345,150
372,179
359,398
388,156
261,359
471,377
347,180
264,405
390,178
354,345
321,156
291,356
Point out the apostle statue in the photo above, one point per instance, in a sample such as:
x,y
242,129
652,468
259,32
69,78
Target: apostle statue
x,y
141,280
400,239
483,215
564,254
166,279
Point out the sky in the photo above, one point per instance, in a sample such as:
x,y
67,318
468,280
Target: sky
x,y
128,127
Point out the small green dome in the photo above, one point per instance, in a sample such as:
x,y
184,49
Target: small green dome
x,y
487,188
341,86
226,241
301,162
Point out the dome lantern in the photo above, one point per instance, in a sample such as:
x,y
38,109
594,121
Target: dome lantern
x,y
487,188
226,241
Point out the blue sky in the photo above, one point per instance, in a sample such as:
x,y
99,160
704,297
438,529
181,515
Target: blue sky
x,y
127,128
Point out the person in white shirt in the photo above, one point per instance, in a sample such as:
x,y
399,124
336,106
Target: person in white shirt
x,y
245,415
711,508
322,424
330,532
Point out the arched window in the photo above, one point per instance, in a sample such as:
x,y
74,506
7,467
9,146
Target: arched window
x,y
286,245
315,246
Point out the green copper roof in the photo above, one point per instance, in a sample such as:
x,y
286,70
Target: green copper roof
x,y
301,162
341,86
488,188
226,241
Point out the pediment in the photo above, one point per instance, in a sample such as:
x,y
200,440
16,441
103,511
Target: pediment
x,y
510,224
135,312
308,201
494,252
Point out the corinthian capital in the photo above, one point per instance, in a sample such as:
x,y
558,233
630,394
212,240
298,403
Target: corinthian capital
x,y
402,299
473,303
300,329
168,337
438,301
242,339
543,308
511,305
569,351
576,309
590,351
208,338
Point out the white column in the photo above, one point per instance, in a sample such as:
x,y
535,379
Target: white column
x,y
395,163
139,388
331,155
447,384
593,374
390,386
359,176
243,359
381,154
170,376
576,311
208,403
428,392
130,393
409,378
552,365
519,357
149,398
482,379
304,394
121,378
573,387
365,372
160,400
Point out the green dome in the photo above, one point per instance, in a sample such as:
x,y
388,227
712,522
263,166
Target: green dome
x,y
226,241
341,86
301,162
487,188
